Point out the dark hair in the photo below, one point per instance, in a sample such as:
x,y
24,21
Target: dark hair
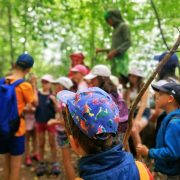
x,y
140,83
19,67
166,72
107,85
90,146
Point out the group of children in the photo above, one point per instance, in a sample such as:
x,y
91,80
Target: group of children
x,y
89,111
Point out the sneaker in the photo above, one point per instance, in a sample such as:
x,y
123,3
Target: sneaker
x,y
41,169
55,168
36,157
28,161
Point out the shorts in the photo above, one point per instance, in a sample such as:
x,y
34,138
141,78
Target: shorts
x,y
62,139
43,127
14,145
30,123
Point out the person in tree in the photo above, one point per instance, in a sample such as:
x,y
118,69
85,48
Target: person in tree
x,y
121,42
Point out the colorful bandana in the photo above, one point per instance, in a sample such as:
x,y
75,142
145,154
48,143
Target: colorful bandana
x,y
92,110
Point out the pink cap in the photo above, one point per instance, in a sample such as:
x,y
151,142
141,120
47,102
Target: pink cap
x,y
80,56
80,68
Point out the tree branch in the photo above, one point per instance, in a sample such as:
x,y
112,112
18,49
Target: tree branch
x,y
159,24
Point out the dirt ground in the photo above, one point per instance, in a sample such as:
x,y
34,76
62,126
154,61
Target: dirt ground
x,y
28,173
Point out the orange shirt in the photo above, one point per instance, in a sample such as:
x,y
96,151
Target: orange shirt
x,y
24,95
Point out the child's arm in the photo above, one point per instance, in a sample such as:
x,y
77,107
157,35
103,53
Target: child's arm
x,y
142,150
143,105
171,150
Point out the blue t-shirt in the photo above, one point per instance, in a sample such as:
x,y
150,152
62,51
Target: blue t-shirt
x,y
45,109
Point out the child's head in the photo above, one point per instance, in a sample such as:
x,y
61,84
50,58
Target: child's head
x,y
24,62
62,83
77,58
98,74
135,76
79,71
100,77
169,68
168,94
91,120
46,82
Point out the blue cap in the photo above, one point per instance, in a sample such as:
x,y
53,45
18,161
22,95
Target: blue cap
x,y
25,61
93,111
171,88
172,62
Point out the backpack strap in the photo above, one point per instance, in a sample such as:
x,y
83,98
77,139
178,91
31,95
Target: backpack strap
x,y
16,83
144,172
2,80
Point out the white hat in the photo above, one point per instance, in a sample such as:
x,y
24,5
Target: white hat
x,y
47,77
98,70
136,71
64,81
114,80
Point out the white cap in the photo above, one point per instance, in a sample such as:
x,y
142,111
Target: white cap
x,y
114,80
98,70
136,71
47,77
64,81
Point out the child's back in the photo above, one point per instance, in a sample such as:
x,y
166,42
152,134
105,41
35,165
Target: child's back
x,y
91,122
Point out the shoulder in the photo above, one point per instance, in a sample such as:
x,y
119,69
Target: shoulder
x,y
25,86
124,26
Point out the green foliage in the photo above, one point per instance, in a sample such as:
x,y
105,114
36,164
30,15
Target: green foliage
x,y
51,30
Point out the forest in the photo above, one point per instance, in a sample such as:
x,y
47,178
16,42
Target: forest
x,y
50,30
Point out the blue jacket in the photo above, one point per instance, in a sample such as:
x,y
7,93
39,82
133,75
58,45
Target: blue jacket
x,y
167,151
112,164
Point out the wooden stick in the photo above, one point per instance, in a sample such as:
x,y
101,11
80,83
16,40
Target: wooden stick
x,y
144,88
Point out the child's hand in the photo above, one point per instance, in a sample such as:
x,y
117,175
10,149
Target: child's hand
x,y
142,150
52,97
54,122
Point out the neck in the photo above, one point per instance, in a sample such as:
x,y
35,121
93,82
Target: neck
x,y
170,109
18,74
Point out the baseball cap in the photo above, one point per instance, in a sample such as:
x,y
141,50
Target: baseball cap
x,y
136,71
80,68
92,110
171,88
64,81
173,61
98,70
25,61
77,55
47,77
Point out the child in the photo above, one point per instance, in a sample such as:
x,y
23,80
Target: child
x,y
142,112
78,72
63,83
14,147
91,121
100,77
29,116
44,112
167,151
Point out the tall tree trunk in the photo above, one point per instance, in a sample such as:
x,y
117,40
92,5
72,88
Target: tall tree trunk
x,y
25,25
10,32
92,50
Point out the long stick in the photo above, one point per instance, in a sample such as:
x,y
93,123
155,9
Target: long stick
x,y
144,88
